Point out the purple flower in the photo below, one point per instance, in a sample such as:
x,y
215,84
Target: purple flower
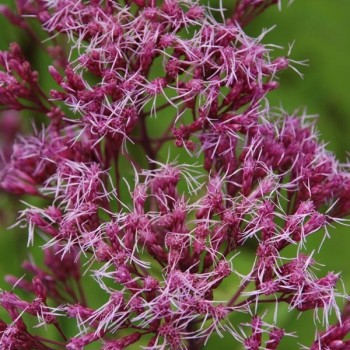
x,y
163,248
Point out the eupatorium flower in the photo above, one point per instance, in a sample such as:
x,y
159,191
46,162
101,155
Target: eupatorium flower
x,y
133,84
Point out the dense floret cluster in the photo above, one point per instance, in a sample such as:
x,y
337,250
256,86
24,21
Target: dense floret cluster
x,y
161,238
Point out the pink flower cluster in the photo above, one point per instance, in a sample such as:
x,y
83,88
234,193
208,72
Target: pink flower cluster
x,y
134,79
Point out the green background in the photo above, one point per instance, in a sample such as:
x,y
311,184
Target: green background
x,y
320,31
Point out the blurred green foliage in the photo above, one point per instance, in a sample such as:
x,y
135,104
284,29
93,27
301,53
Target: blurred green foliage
x,y
319,32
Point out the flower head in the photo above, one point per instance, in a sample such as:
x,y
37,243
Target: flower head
x,y
163,249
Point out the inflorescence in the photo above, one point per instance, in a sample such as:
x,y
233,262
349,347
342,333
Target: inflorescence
x,y
160,238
